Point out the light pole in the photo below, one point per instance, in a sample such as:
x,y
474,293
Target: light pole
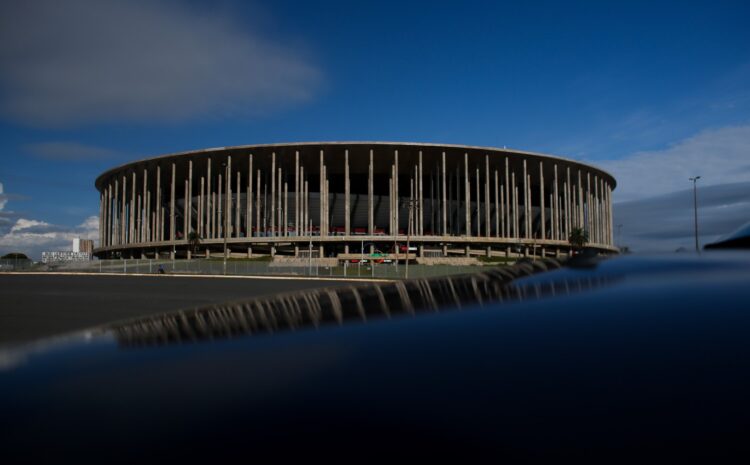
x,y
226,212
411,203
695,209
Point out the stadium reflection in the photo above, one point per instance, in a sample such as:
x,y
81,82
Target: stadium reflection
x,y
357,303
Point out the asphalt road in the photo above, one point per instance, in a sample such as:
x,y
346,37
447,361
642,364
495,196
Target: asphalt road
x,y
37,306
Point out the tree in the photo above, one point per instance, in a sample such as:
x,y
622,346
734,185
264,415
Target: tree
x,y
15,256
195,241
578,238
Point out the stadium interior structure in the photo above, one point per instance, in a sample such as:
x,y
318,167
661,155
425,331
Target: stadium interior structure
x,y
345,199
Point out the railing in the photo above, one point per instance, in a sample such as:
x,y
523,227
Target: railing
x,y
16,264
238,267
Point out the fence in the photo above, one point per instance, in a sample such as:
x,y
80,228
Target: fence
x,y
251,267
16,264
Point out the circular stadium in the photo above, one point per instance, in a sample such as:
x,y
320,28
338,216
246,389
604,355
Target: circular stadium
x,y
345,199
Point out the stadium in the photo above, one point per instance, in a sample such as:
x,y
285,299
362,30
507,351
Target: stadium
x,y
345,199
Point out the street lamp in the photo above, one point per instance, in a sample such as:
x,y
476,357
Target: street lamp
x,y
411,203
695,208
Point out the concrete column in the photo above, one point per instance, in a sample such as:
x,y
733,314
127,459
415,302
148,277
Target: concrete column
x,y
445,201
566,213
607,214
597,226
303,202
322,190
257,203
601,211
120,206
370,199
142,211
237,218
517,208
525,202
296,195
220,205
171,204
286,211
131,211
395,189
124,211
185,224
110,216
209,204
529,216
202,209
149,222
556,209
420,201
105,217
479,206
588,203
512,212
568,205
328,216
273,194
390,203
467,194
542,207
497,206
279,213
101,219
433,197
249,197
579,206
226,221
611,216
306,224
503,220
347,211
116,214
487,226
415,207
410,219
508,222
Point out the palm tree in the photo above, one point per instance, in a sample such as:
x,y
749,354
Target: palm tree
x,y
578,238
195,240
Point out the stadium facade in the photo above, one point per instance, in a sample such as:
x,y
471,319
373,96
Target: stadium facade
x,y
338,198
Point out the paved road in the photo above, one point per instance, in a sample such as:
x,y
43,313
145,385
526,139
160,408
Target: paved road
x,y
37,306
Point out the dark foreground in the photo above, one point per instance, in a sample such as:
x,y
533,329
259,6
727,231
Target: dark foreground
x,y
37,306
633,360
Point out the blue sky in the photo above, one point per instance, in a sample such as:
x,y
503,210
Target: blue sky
x,y
655,92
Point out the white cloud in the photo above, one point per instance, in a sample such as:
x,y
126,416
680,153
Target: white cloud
x,y
719,156
81,61
28,226
68,151
32,237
